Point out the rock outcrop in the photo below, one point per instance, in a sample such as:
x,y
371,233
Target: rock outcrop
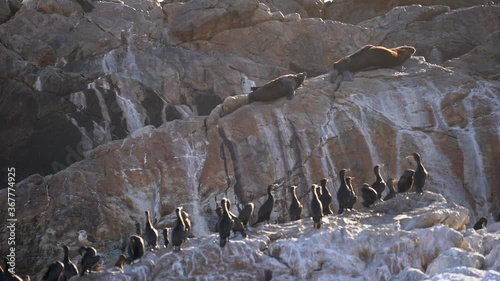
x,y
140,105
368,244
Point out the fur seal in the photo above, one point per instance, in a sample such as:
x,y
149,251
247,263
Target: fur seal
x,y
392,190
283,86
54,272
150,232
316,207
344,194
379,184
89,259
371,57
295,207
246,213
325,198
70,268
353,199
265,210
135,248
405,181
420,175
225,224
369,195
179,232
481,223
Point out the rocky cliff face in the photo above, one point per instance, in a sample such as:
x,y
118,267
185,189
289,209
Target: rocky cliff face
x,y
139,105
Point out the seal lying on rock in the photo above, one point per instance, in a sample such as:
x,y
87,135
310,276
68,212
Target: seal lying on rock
x,y
371,57
283,86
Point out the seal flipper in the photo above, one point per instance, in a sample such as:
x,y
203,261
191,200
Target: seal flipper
x,y
347,75
254,88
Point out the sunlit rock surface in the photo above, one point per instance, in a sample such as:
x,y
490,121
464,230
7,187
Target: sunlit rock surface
x,y
140,105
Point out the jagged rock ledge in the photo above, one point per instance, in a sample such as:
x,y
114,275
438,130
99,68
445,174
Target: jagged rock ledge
x,y
419,235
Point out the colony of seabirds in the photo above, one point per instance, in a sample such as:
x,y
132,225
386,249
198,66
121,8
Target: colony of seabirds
x,y
228,221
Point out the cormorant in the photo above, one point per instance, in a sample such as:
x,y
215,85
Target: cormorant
x,y
265,210
295,207
379,184
392,190
89,259
150,232
420,173
369,195
225,224
70,268
405,181
316,207
179,232
325,198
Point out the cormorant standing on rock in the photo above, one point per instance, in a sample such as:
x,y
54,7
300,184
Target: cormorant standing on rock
x,y
405,181
295,207
369,195
89,259
379,184
238,225
420,173
150,233
218,212
187,223
70,268
353,199
54,272
165,237
265,210
246,213
135,249
120,262
325,198
316,207
225,224
179,232
481,223
344,194
390,186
